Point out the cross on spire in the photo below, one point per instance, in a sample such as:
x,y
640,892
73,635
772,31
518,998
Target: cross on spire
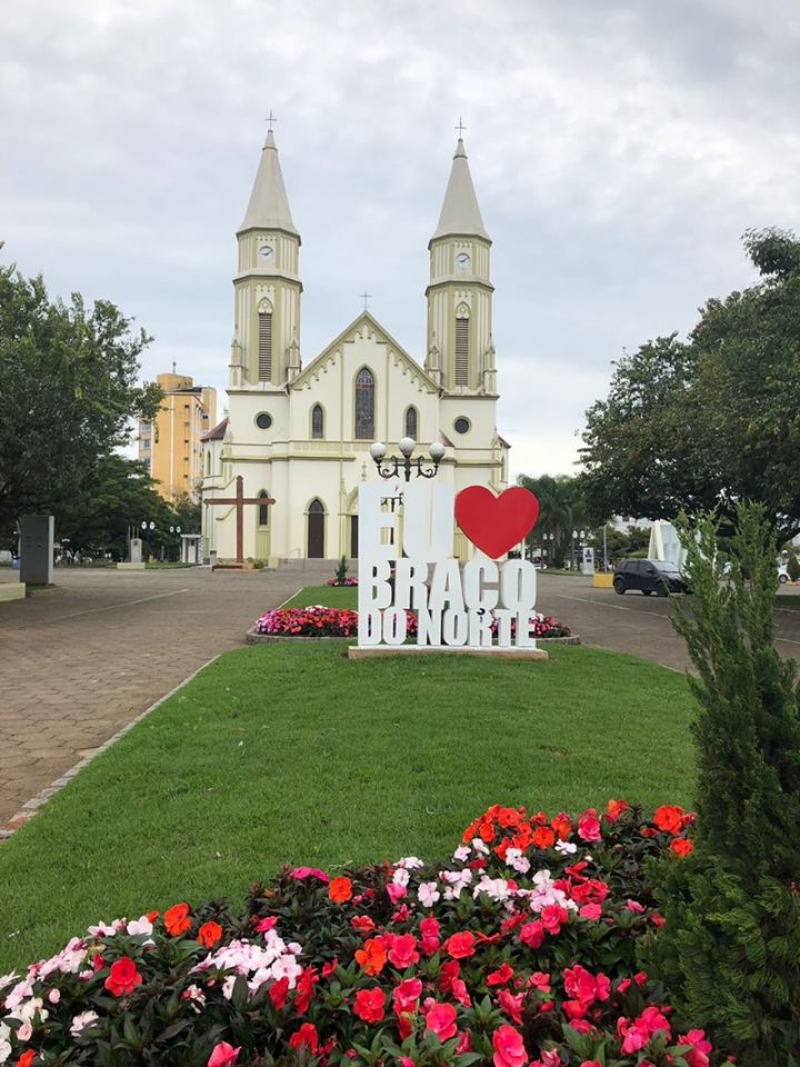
x,y
366,297
461,127
270,119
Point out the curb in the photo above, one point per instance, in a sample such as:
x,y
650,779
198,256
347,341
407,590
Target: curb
x,y
252,637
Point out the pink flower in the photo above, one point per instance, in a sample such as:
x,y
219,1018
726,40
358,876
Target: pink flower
x,y
532,934
589,826
429,931
511,1005
509,1049
697,1057
223,1055
441,1020
302,873
403,951
459,946
591,912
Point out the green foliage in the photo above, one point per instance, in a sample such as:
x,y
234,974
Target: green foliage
x,y
562,508
701,424
731,946
341,571
793,567
68,391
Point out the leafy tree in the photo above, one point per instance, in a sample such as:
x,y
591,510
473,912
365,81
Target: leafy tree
x,y
561,509
117,495
701,424
68,391
730,949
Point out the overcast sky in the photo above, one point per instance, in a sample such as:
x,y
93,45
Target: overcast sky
x,y
619,149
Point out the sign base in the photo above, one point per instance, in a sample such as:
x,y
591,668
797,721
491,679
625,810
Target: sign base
x,y
370,652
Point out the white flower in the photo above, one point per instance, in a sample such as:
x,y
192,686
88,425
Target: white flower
x,y
227,986
25,1032
401,877
495,888
566,848
54,996
462,854
480,846
80,1022
103,930
411,863
7,979
137,927
517,861
427,894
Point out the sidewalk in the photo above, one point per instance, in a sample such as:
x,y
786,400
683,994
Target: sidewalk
x,y
80,661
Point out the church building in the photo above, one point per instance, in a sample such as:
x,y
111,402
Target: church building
x,y
299,432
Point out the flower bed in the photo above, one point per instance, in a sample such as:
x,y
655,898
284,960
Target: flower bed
x,y
518,951
345,582
319,621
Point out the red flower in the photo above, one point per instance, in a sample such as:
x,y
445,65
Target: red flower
x,y
509,1049
589,826
223,1055
501,976
553,918
441,1020
305,989
370,1004
363,924
403,951
209,934
177,921
307,1035
340,890
429,930
123,977
615,808
279,992
681,847
544,837
511,1004
532,934
26,1059
459,946
669,818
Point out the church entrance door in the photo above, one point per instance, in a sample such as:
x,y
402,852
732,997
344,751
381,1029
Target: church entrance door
x,y
316,530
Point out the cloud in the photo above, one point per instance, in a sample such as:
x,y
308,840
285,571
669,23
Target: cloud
x,y
618,152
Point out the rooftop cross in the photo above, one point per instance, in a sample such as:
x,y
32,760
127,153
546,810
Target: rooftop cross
x,y
461,127
270,119
366,297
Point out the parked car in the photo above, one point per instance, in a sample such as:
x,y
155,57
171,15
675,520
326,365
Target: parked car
x,y
648,576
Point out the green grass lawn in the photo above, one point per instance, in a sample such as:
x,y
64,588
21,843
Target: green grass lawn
x,y
289,752
332,596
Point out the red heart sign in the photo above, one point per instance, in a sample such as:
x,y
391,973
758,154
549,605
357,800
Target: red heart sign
x,y
496,523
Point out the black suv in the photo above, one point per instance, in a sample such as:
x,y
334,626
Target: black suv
x,y
649,576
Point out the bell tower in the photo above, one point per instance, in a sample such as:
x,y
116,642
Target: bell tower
x,y
265,353
460,355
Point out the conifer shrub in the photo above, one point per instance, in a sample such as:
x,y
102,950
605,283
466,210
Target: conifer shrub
x,y
730,949
793,567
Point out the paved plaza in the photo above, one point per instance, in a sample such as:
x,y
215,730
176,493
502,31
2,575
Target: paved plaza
x,y
82,660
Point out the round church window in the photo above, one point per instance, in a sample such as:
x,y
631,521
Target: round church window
x,y
462,425
263,420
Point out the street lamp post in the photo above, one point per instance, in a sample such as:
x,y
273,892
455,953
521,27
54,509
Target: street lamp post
x,y
391,466
148,527
175,531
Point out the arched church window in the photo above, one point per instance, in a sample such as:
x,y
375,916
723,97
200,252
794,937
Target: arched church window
x,y
264,341
317,422
263,509
412,423
462,345
315,548
365,405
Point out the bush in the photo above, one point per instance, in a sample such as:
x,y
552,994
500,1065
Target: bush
x,y
793,567
518,950
730,952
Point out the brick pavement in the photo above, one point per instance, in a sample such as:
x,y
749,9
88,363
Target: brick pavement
x,y
79,662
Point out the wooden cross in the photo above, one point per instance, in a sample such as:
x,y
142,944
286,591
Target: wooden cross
x,y
461,127
239,502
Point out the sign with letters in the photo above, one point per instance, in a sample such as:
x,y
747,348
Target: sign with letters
x,y
406,563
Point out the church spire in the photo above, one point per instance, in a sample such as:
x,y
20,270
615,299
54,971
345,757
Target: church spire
x,y
460,215
269,206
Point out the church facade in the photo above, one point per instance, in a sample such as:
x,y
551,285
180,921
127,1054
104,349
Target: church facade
x,y
300,434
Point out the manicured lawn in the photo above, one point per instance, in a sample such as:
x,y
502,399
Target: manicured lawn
x,y
291,753
332,596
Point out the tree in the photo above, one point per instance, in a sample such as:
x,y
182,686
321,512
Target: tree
x,y
702,424
561,510
117,495
68,392
730,949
